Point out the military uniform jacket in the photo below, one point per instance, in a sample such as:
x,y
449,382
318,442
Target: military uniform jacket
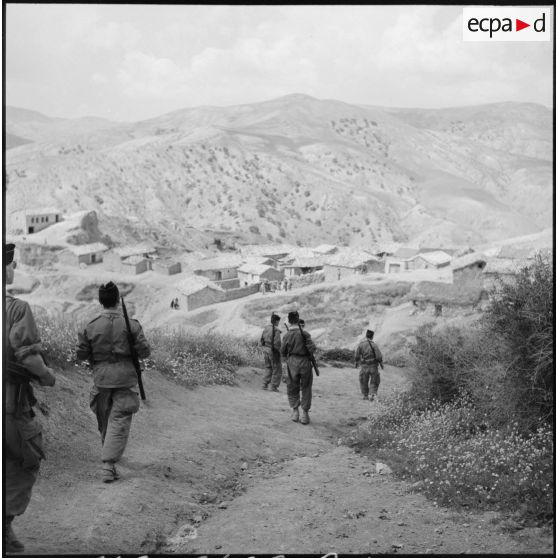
x,y
365,355
104,342
294,347
23,345
267,335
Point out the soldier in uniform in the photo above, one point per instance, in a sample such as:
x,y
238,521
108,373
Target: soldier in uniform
x,y
294,348
271,341
23,443
369,356
113,398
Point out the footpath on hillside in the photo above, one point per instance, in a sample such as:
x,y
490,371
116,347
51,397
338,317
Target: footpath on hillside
x,y
219,470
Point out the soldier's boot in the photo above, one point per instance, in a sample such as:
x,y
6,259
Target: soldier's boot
x,y
274,388
365,397
11,542
305,419
110,473
294,415
264,387
372,396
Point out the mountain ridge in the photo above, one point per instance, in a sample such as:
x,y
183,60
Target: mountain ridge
x,y
300,169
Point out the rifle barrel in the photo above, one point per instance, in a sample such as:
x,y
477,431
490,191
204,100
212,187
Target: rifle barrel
x,y
310,355
133,353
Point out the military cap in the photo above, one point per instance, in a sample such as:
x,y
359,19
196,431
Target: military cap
x,y
369,333
301,322
275,317
9,251
293,317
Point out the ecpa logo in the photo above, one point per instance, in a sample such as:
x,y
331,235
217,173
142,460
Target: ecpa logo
x,y
506,24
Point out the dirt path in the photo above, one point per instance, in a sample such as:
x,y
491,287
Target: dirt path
x,y
224,470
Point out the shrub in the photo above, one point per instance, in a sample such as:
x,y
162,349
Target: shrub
x,y
58,338
439,359
474,426
459,460
522,313
199,359
337,354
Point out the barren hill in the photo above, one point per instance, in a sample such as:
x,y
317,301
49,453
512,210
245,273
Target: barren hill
x,y
295,169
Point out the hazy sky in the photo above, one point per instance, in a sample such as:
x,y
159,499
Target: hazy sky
x,y
130,62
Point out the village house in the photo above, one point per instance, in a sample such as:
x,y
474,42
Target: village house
x,y
500,270
196,291
439,297
386,249
303,266
516,252
261,260
468,269
325,250
429,260
349,263
450,251
275,251
254,273
220,268
400,260
118,258
166,266
135,265
84,254
30,221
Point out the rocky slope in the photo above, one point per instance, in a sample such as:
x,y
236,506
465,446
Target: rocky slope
x,y
294,169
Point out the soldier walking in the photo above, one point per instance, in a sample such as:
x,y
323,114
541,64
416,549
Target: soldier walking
x,y
369,356
113,398
23,443
295,348
271,341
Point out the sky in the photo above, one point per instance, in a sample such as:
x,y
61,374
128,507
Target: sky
x,y
133,62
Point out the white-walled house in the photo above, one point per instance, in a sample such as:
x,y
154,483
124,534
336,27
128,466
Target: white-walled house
x,y
118,259
220,268
30,221
86,254
254,273
351,262
430,260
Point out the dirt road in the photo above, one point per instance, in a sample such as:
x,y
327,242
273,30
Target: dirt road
x,y
223,470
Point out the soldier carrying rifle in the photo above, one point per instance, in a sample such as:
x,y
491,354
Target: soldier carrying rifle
x,y
112,350
368,354
23,444
271,342
298,348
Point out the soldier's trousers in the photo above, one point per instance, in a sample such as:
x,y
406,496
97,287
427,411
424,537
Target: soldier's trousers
x,y
369,378
114,409
299,383
273,369
23,452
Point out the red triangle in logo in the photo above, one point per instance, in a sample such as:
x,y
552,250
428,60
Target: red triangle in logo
x,y
519,25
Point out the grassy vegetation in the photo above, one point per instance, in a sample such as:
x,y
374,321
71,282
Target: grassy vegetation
x,y
476,426
190,358
195,359
343,311
58,338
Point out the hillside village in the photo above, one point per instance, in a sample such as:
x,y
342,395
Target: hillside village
x,y
50,240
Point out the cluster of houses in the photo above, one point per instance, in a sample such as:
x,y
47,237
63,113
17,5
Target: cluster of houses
x,y
474,276
239,273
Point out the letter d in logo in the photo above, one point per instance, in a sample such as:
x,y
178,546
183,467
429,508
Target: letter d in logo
x,y
541,20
